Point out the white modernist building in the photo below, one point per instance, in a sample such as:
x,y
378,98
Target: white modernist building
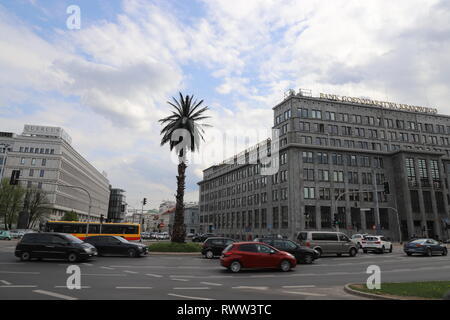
x,y
46,159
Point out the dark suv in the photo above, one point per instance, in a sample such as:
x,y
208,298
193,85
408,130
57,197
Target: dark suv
x,y
51,245
214,246
115,245
202,237
301,254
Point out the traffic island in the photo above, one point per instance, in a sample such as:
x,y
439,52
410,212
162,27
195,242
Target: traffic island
x,y
431,290
188,248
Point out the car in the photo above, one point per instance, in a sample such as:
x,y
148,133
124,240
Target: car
x,y
202,237
213,246
327,242
255,255
115,245
189,235
163,236
302,254
53,245
5,235
357,239
15,234
426,247
376,244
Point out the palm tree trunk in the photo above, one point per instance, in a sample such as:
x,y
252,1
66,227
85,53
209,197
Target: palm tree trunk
x,y
178,231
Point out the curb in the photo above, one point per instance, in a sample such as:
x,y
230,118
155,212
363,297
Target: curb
x,y
175,253
365,294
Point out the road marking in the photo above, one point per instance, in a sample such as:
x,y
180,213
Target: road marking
x,y
337,273
87,264
20,272
292,287
211,283
153,275
128,271
5,282
253,288
18,286
191,288
175,279
54,294
306,293
134,287
81,287
263,276
107,268
188,297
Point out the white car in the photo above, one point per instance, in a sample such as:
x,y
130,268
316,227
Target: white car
x,y
376,243
357,239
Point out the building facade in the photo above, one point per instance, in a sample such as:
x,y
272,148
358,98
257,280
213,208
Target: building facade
x,y
117,205
46,159
191,218
334,157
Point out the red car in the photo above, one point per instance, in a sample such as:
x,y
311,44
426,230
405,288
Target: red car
x,y
255,255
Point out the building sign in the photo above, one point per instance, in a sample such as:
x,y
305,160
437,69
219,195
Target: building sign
x,y
47,131
382,104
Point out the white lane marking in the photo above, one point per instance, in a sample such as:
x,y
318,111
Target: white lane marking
x,y
128,271
263,276
337,273
248,287
105,274
292,287
134,287
20,272
306,293
175,279
81,287
107,268
211,283
18,286
191,288
55,295
153,275
5,282
187,297
87,264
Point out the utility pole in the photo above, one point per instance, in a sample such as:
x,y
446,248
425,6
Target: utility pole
x,y
377,207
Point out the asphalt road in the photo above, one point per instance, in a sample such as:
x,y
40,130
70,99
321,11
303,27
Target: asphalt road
x,y
193,277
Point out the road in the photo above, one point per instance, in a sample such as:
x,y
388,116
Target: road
x,y
193,277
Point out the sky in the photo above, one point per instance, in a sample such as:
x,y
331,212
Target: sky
x,y
108,82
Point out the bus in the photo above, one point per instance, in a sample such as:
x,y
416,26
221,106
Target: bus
x,y
129,231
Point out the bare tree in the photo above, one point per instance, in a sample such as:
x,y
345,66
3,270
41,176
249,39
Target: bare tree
x,y
36,203
11,202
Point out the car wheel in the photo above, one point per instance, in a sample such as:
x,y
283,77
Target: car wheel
x,y
25,256
132,253
382,249
390,250
319,251
429,252
409,254
308,259
444,252
209,254
72,257
285,266
352,252
235,266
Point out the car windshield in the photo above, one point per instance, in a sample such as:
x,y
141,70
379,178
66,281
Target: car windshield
x,y
72,238
418,241
121,239
371,238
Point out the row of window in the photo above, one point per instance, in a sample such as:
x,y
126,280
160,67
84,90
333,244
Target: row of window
x,y
43,162
372,121
36,150
339,176
339,159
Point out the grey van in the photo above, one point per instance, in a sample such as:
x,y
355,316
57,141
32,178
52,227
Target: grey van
x,y
327,242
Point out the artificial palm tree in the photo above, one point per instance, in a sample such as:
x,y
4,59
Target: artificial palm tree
x,y
183,131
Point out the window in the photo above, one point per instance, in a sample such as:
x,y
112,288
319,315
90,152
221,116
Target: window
x,y
308,174
44,162
323,175
275,218
338,176
308,157
284,217
22,161
41,174
316,114
31,172
309,193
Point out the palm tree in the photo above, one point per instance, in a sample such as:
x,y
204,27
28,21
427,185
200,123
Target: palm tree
x,y
182,125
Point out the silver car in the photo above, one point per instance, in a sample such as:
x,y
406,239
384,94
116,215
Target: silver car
x,y
327,242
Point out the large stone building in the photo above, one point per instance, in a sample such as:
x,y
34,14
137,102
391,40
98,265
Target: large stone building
x,y
45,157
335,153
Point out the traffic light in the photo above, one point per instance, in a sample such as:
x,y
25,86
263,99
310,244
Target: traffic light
x,y
101,218
144,202
335,220
14,177
386,188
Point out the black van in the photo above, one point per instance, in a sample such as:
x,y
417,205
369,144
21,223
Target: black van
x,y
51,245
214,246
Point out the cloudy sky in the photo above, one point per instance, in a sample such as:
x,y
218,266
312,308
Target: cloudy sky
x,y
107,83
